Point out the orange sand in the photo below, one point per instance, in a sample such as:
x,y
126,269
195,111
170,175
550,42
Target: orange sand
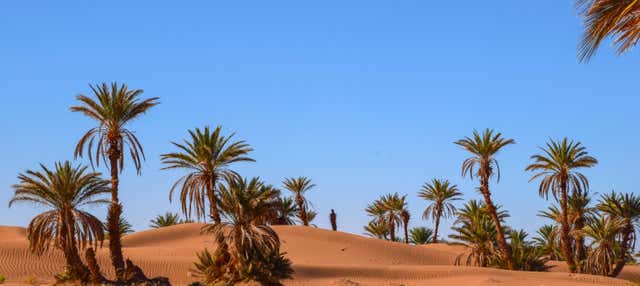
x,y
320,258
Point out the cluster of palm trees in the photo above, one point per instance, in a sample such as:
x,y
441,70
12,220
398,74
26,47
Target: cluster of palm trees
x,y
209,189
591,238
65,188
596,239
602,235
388,213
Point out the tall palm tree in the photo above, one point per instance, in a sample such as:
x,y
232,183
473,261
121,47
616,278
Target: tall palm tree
x,y
626,209
441,194
65,190
420,235
299,187
164,220
113,108
547,241
603,18
207,156
406,216
558,169
602,233
483,164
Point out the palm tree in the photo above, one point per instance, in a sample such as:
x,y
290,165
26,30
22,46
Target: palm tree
x,y
547,241
377,229
124,227
406,216
441,194
421,235
626,209
207,156
311,216
333,219
245,206
474,227
65,190
579,209
602,18
394,206
526,255
484,147
113,108
602,232
378,226
167,219
285,212
557,167
299,187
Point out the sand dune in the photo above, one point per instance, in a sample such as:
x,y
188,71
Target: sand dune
x,y
320,257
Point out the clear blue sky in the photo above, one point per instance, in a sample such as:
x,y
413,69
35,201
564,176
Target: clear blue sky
x,y
364,97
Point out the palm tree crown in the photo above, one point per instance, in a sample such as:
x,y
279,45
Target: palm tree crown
x,y
65,190
245,205
483,164
299,187
164,220
207,156
483,147
441,194
557,166
113,108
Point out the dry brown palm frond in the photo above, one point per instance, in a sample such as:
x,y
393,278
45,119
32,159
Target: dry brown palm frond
x,y
618,19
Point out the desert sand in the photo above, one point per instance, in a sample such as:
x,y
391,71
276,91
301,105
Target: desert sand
x,y
320,257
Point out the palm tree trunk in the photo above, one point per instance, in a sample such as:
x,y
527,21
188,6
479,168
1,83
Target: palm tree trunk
x,y
406,233
114,213
74,268
95,276
565,239
624,248
502,242
435,233
580,249
303,211
213,202
392,229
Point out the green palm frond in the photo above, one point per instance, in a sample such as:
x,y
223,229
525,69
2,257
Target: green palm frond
x,y
299,187
420,235
113,107
64,190
441,194
207,157
164,220
483,147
